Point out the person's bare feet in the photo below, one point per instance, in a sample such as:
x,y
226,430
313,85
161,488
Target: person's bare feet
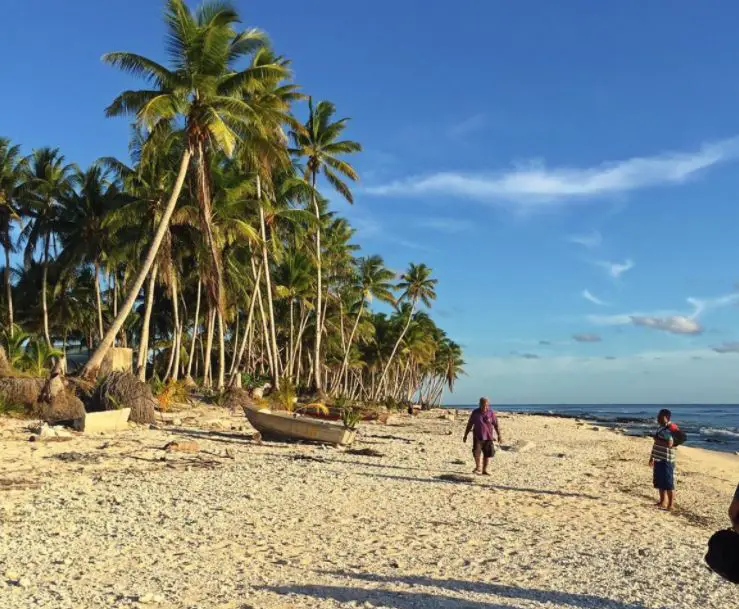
x,y
476,471
484,473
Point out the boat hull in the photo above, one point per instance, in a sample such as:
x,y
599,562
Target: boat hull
x,y
286,425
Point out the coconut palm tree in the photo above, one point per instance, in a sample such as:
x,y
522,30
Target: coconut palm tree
x,y
48,182
319,144
371,280
417,285
82,230
12,173
203,89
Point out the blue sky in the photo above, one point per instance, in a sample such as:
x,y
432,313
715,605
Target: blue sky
x,y
568,169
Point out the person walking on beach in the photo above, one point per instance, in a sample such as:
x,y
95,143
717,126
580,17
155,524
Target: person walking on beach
x,y
662,460
484,427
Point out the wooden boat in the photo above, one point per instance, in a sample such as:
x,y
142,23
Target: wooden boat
x,y
334,414
298,427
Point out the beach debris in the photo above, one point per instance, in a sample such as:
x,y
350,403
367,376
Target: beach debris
x,y
458,462
47,432
182,446
365,452
149,599
308,458
76,457
123,390
456,478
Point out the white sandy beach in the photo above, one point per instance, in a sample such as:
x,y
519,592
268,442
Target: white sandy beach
x,y
568,523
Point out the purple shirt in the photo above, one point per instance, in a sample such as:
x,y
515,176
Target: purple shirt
x,y
482,424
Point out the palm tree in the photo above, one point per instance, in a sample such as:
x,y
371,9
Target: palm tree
x,y
320,145
48,182
417,285
372,280
11,178
204,90
84,237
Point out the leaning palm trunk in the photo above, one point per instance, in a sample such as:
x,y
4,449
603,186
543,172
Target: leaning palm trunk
x,y
9,291
93,365
144,340
381,384
99,300
194,334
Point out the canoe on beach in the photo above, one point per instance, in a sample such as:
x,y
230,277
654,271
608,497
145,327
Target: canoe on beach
x,y
334,413
298,427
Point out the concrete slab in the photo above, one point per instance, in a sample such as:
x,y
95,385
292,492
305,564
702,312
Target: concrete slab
x,y
102,422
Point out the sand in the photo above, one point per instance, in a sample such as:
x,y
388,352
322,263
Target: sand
x,y
567,522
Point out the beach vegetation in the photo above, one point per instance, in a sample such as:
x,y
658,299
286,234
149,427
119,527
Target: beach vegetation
x,y
213,250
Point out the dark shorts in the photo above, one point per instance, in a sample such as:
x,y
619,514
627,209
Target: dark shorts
x,y
664,475
483,446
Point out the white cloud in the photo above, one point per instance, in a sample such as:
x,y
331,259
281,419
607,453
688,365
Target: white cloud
x,y
534,184
467,126
446,225
591,240
594,299
616,269
674,322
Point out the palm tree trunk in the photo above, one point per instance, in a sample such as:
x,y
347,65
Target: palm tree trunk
x,y
99,300
265,332
268,279
194,332
292,339
235,355
248,334
144,340
44,279
9,291
350,342
90,370
319,291
177,330
221,350
208,348
395,349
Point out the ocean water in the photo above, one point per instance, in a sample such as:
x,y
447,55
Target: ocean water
x,y
711,426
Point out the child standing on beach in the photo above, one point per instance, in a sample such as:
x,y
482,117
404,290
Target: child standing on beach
x,y
662,460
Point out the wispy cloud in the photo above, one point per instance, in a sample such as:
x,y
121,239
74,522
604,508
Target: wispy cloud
x,y
586,294
674,322
590,240
446,225
529,356
732,347
534,184
586,338
616,269
467,126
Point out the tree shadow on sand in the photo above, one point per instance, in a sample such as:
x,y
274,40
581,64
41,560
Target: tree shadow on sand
x,y
483,486
408,600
